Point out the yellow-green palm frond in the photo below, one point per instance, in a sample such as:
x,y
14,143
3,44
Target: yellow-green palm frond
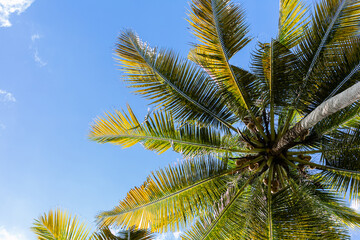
x,y
220,26
338,72
181,191
159,132
250,84
292,22
59,225
172,83
221,30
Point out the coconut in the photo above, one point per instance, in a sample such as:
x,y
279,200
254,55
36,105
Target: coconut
x,y
266,181
253,166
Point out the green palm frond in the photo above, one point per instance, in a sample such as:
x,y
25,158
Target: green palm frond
x,y
337,72
181,191
330,201
278,68
341,156
317,212
248,216
170,82
332,22
292,21
220,27
342,180
337,207
250,85
59,225
225,219
159,132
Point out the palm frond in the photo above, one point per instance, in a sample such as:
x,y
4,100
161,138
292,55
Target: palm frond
x,y
324,199
337,72
332,22
226,217
342,172
317,213
278,68
220,27
292,22
159,132
59,225
181,191
249,81
293,214
172,83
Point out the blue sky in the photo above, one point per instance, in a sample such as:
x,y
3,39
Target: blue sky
x,y
57,74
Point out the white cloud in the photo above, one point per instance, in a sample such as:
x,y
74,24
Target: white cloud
x,y
35,37
8,7
7,235
34,47
38,59
6,96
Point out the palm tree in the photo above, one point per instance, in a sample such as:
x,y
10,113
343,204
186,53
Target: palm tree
x,y
270,151
59,225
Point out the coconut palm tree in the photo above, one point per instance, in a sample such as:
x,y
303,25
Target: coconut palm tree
x,y
269,151
59,225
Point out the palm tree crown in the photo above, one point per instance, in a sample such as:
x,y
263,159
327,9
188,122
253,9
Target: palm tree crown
x,y
270,150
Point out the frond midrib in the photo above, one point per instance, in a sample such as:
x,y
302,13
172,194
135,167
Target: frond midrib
x,y
226,58
228,206
178,90
164,139
313,62
168,196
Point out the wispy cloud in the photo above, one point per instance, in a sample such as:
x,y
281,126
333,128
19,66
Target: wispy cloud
x,y
7,235
33,46
8,7
38,59
35,37
6,96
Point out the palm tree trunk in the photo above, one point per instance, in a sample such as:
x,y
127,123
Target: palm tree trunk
x,y
325,109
